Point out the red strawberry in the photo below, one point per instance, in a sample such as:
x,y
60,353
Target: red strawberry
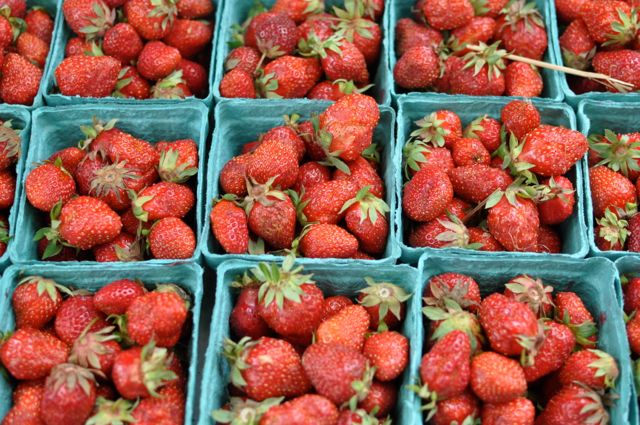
x,y
7,188
574,403
96,350
232,175
152,21
468,151
456,409
510,326
447,15
560,206
169,407
76,314
520,117
162,200
20,80
569,10
487,130
328,241
171,87
594,368
238,83
555,349
274,163
70,158
309,408
333,305
88,18
347,327
523,80
285,134
334,368
479,29
605,23
481,75
122,42
385,303
311,174
388,352
609,190
428,234
244,319
478,235
349,64
553,150
271,216
318,25
417,155
69,395
78,46
115,297
497,379
39,23
381,399
476,182
464,290
36,301
141,371
193,9
522,31
620,64
577,47
196,77
47,185
411,34
366,220
298,10
631,288
32,48
289,77
26,407
440,128
365,34
333,90
418,68
274,34
533,292
117,146
571,311
87,76
427,195
229,227
131,84
190,37
157,60
633,334
548,241
113,184
323,202
244,58
31,354
518,411
515,225
171,238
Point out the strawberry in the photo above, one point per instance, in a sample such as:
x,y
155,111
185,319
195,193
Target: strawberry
x,y
514,223
237,83
123,43
560,206
366,220
577,47
620,64
244,58
69,157
388,352
141,371
347,327
20,80
440,128
31,354
510,326
553,150
348,417
266,368
427,195
157,316
324,202
333,90
609,190
39,23
193,9
171,87
87,76
468,151
17,8
490,8
113,184
79,46
131,84
26,407
464,290
171,238
605,22
285,135
518,411
274,163
76,314
456,409
333,305
190,37
478,235
4,234
380,400
555,349
616,151
574,403
447,15
418,68
520,117
496,378
479,29
7,189
32,48
356,109
522,80
232,175
411,34
485,129
571,311
306,410
273,34
429,234
271,215
289,77
298,10
631,289
244,319
115,297
476,182
10,145
593,368
88,18
131,225
36,301
445,369
162,200
47,185
167,408
328,241
152,20
533,292
229,227
365,34
195,76
521,30
349,64
96,350
337,372
157,60
452,66
69,395
569,10
633,334
418,155
480,73
178,160
311,174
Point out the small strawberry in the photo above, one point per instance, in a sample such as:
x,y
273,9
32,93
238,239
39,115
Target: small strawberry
x,y
190,37
447,15
229,226
487,130
31,354
593,368
39,23
575,403
7,188
476,182
195,76
610,190
464,407
123,43
76,314
313,408
577,47
427,195
244,58
47,185
348,327
32,48
157,60
36,301
631,289
27,398
115,297
518,411
88,18
69,157
171,238
244,319
571,311
162,200
87,76
20,80
152,20
418,68
410,33
328,241
522,80
69,395
237,83
388,352
555,349
273,34
497,379
464,290
141,371
520,117
271,215
560,206
633,334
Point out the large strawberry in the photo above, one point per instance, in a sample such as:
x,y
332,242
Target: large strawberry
x,y
447,15
162,200
324,202
328,241
593,368
610,190
555,349
620,64
115,297
20,80
427,195
477,182
75,316
553,150
190,37
574,403
153,20
31,354
69,395
122,42
36,301
273,34
514,222
388,352
273,160
271,215
608,22
171,238
87,76
347,327
522,31
88,18
142,371
497,379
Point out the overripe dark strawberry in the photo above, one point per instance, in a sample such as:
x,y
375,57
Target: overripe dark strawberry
x,y
122,42
88,18
411,34
347,327
36,301
418,68
152,21
273,34
69,395
117,296
520,410
520,117
20,80
447,15
496,378
31,354
523,80
171,238
244,319
328,241
87,76
427,195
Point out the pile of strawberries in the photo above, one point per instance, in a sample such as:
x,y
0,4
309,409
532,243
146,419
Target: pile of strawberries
x,y
614,159
296,49
25,36
433,55
115,198
514,170
346,374
72,366
601,36
484,355
311,187
10,149
631,288
137,49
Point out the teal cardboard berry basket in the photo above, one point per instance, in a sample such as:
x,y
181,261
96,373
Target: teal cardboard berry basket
x,y
631,266
571,97
237,124
21,120
62,35
236,12
593,279
573,231
92,278
59,128
402,9
333,279
593,118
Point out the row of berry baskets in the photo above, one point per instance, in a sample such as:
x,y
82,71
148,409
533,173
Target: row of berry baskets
x,y
200,48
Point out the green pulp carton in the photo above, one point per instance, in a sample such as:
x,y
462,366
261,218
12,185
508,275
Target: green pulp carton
x,y
92,278
236,12
58,128
63,33
412,108
333,279
556,29
237,123
593,279
21,120
593,118
403,9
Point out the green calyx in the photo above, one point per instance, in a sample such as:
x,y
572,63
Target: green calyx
x,y
475,127
102,20
613,229
451,318
155,364
89,346
371,207
44,285
236,353
456,234
582,331
457,293
55,244
617,152
531,345
480,7
430,404
171,169
109,412
166,8
267,85
137,205
624,30
351,21
430,130
490,57
387,296
91,132
72,376
169,87
280,283
606,367
4,232
361,387
509,150
415,153
10,138
242,411
580,61
520,10
532,292
262,194
324,139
